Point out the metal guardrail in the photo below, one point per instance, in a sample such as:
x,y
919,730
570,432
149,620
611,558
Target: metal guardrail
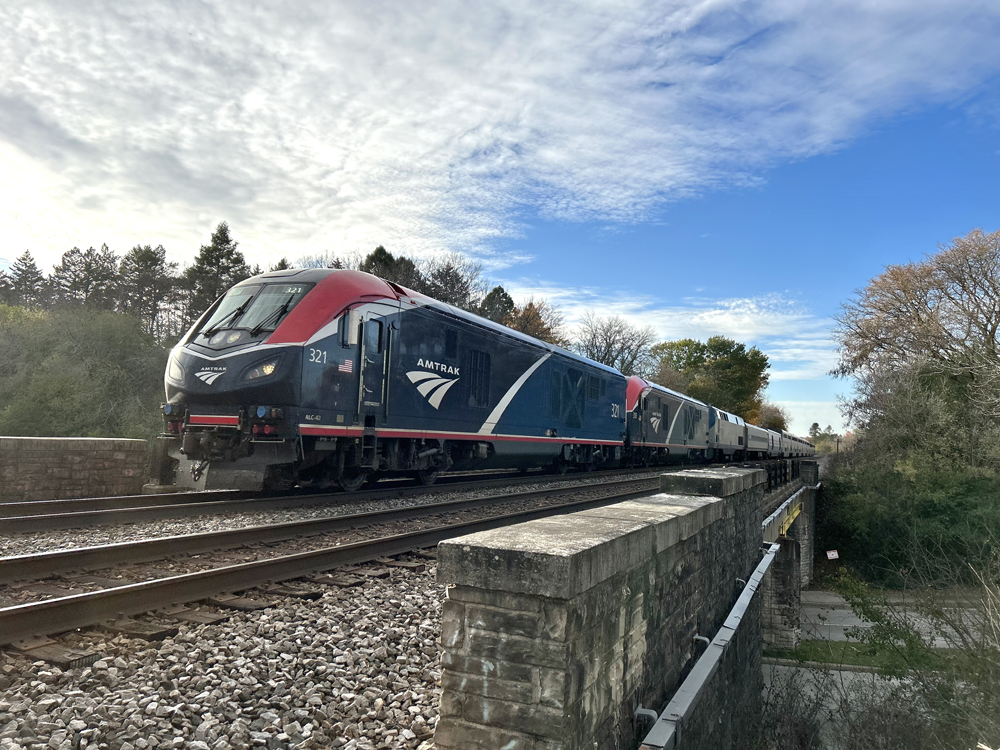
x,y
666,731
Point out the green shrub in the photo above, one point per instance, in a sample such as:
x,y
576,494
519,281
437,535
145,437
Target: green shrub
x,y
78,372
907,525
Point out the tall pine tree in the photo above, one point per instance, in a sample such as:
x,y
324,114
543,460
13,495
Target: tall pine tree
x,y
218,266
88,277
27,284
146,286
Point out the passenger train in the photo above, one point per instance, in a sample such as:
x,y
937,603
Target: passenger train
x,y
324,377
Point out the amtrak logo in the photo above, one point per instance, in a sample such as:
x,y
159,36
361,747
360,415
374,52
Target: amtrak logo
x,y
210,375
656,423
431,385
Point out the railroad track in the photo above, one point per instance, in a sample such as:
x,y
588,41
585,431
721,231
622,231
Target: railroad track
x,y
52,515
118,599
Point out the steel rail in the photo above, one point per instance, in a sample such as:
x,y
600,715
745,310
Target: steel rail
x,y
20,508
115,502
388,487
159,512
59,615
44,564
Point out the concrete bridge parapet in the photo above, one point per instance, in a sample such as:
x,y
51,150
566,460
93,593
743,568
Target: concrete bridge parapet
x,y
556,630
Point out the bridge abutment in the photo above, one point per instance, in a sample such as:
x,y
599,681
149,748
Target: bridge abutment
x,y
556,630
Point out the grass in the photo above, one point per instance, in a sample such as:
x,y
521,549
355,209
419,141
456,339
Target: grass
x,y
847,653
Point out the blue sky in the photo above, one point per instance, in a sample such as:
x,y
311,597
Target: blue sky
x,y
704,167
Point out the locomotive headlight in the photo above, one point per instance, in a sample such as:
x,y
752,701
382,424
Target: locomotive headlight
x,y
264,370
174,370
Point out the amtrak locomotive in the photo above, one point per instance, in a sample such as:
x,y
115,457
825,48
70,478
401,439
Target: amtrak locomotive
x,y
328,377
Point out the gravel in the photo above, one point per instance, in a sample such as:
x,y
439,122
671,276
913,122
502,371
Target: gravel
x,y
33,543
355,669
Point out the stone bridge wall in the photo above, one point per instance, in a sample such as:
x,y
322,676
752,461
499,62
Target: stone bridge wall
x,y
57,468
557,629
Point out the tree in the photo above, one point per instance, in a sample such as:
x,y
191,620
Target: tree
x,y
281,265
497,306
538,319
814,431
770,416
721,372
219,265
146,287
78,372
87,277
455,280
383,264
6,292
943,312
27,284
616,343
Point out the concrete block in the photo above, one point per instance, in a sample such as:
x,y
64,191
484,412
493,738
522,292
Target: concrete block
x,y
483,667
488,687
551,557
460,735
503,621
713,482
452,624
533,719
534,651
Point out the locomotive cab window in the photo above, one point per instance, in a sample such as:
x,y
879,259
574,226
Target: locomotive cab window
x,y
271,306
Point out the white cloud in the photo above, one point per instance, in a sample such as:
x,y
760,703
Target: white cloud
x,y
797,342
431,126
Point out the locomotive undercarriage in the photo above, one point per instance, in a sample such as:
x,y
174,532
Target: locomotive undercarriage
x,y
224,457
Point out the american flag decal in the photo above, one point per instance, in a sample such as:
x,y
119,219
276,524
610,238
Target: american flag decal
x,y
347,366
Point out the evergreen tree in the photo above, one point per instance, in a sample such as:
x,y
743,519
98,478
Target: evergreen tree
x,y
88,277
455,280
218,266
399,270
497,305
146,286
27,284
281,265
6,292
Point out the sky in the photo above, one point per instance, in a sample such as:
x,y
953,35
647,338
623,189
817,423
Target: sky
x,y
719,167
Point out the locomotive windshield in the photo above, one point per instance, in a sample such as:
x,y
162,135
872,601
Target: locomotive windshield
x,y
256,308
